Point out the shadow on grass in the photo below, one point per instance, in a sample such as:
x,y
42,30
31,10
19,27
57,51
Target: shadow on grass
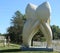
x,y
19,50
11,50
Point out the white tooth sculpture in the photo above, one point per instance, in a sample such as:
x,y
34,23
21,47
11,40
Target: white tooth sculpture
x,y
37,18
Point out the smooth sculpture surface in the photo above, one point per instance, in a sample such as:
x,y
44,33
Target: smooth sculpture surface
x,y
38,17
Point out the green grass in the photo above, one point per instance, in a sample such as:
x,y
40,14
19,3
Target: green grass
x,y
15,46
12,46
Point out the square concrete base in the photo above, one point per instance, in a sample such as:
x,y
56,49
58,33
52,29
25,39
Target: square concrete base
x,y
36,49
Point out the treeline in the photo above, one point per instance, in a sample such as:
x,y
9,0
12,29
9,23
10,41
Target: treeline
x,y
17,23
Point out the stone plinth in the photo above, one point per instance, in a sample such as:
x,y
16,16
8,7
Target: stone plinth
x,y
36,49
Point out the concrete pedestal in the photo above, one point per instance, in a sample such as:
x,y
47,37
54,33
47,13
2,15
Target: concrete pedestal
x,y
36,49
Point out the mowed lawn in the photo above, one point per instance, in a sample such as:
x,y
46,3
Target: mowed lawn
x,y
11,46
14,48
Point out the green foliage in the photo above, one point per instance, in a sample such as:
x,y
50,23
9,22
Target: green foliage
x,y
39,36
15,30
55,31
0,34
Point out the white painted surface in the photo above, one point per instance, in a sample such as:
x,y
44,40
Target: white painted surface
x,y
37,19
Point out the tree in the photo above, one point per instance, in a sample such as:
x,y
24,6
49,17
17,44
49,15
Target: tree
x,y
0,34
39,36
55,31
15,30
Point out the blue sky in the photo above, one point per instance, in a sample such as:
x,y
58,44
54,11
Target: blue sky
x,y
9,7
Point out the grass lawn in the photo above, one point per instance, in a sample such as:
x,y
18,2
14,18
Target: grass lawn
x,y
14,47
